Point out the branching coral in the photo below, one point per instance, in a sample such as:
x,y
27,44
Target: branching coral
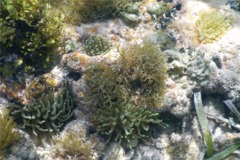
x,y
7,133
48,113
73,145
31,29
126,123
96,45
145,68
211,26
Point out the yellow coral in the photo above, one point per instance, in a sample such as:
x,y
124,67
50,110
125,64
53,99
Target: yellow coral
x,y
211,26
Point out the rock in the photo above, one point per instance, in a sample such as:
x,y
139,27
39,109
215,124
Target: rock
x,y
179,147
148,153
162,141
23,149
163,39
76,61
70,46
3,102
116,152
131,19
157,8
177,100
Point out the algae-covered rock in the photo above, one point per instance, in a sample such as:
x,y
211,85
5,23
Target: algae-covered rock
x,y
24,148
157,8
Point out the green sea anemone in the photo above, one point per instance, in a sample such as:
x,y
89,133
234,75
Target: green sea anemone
x,y
126,123
95,45
48,113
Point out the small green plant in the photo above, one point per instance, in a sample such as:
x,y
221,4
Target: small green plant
x,y
95,45
202,117
144,66
203,123
211,26
48,113
126,123
7,133
72,144
30,29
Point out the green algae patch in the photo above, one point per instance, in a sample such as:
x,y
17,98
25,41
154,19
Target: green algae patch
x,y
32,30
144,66
7,133
211,26
72,145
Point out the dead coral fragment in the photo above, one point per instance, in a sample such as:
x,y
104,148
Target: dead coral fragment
x,y
7,133
145,68
48,113
72,145
211,26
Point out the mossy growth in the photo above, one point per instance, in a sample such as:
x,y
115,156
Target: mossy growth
x,y
211,26
104,86
126,123
7,133
69,8
30,29
91,10
48,113
144,66
95,45
72,145
84,11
